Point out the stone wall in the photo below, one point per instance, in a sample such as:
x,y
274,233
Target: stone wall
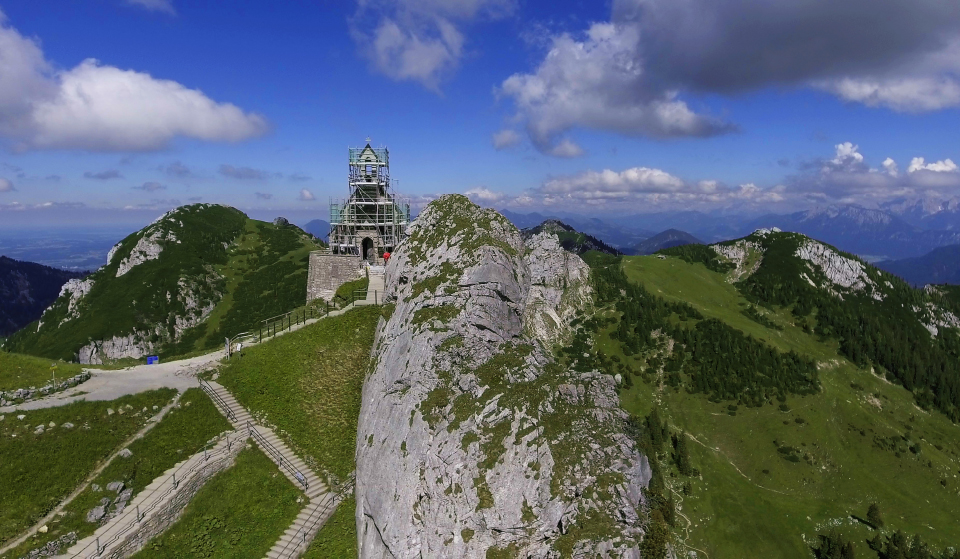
x,y
161,518
328,272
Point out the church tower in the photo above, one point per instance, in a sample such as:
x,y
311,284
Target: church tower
x,y
372,220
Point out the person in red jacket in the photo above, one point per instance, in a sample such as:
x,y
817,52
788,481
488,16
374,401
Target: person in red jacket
x,y
386,258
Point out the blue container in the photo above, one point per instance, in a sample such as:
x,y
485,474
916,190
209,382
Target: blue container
x,y
153,360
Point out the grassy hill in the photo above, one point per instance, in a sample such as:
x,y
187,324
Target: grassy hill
x,y
196,275
759,460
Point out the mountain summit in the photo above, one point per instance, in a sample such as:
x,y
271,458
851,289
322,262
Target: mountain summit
x,y
191,278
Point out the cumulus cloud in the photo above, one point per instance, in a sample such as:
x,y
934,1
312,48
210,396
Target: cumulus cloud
x,y
150,187
263,195
599,82
905,94
945,166
102,108
627,75
419,40
306,196
244,173
165,6
848,178
890,167
103,175
505,138
485,196
6,186
608,184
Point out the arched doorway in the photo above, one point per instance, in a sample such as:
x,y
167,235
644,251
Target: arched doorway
x,y
367,249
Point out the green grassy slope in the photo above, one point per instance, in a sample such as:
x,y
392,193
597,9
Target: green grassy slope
x,y
240,513
852,440
247,270
338,537
38,470
308,384
183,432
24,371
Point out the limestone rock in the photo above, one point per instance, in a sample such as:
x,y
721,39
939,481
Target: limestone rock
x,y
96,513
125,453
115,486
471,438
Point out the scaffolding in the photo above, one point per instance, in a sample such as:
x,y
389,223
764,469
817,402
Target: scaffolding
x,y
373,220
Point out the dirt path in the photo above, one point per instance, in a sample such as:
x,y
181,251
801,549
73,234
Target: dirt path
x,y
718,451
151,423
686,531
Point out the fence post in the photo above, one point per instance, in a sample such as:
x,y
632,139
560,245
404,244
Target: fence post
x,y
375,297
174,475
138,513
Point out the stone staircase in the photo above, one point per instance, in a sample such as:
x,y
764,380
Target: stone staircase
x,y
374,287
321,501
155,504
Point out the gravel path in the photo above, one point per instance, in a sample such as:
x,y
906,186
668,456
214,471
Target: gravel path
x,y
110,385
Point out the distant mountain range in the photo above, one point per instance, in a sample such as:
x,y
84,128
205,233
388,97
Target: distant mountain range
x,y
26,290
903,230
941,265
667,239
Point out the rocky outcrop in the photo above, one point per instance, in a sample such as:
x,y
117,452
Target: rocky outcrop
x,y
472,439
746,255
840,271
148,248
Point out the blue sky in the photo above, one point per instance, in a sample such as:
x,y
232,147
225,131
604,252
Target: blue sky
x,y
114,110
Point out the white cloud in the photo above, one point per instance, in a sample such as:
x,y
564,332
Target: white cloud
x,y
608,184
306,196
907,94
6,185
566,149
165,6
945,166
505,138
103,108
484,195
890,167
418,40
599,82
847,158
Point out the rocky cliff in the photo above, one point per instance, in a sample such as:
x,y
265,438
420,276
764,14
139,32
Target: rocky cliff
x,y
472,440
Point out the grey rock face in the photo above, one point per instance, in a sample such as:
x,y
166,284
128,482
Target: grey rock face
x,y
471,438
115,486
96,513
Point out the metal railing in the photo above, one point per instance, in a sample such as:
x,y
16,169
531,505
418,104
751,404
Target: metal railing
x,y
218,400
310,523
141,512
283,322
277,455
